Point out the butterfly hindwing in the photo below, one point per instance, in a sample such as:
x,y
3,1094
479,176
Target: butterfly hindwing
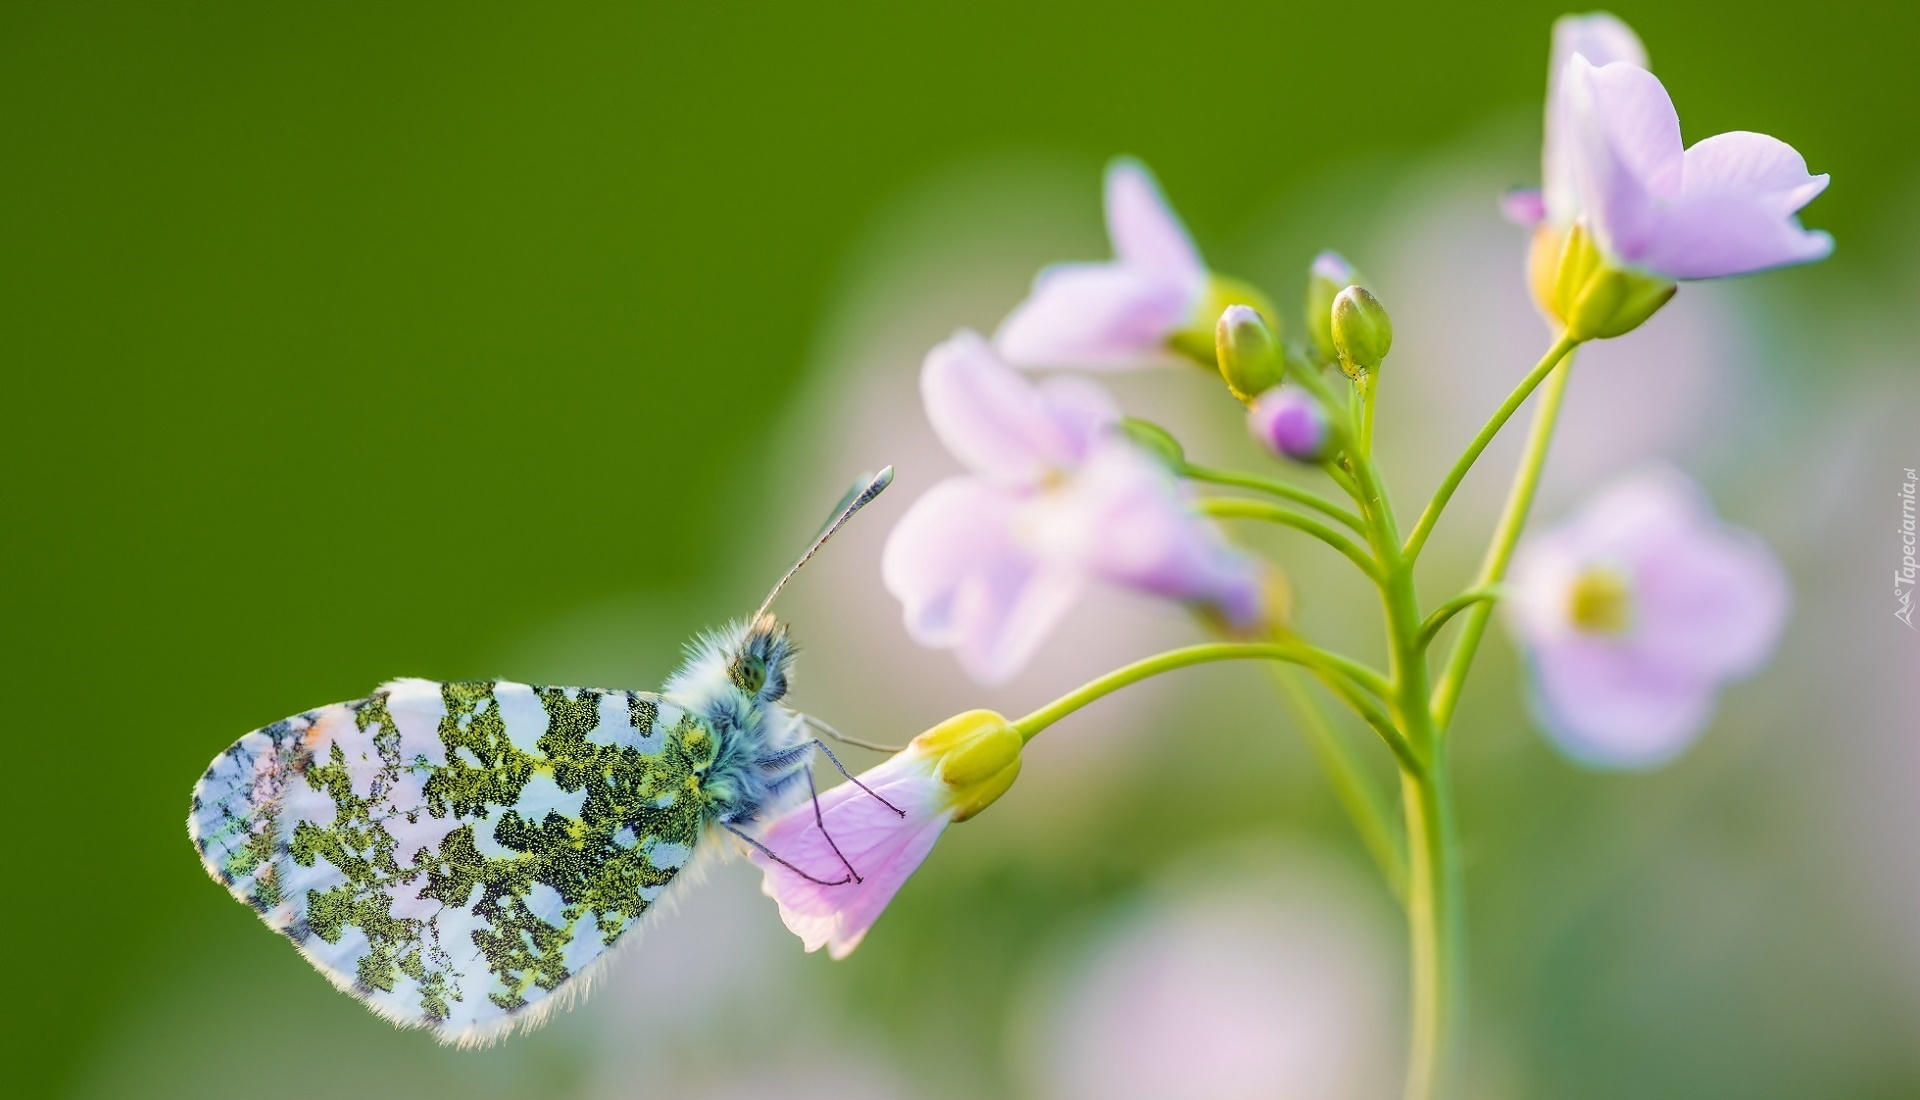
x,y
456,854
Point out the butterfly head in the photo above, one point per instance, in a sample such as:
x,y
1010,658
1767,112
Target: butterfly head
x,y
760,659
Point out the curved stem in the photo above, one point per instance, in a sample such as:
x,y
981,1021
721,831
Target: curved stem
x,y
1307,656
1234,508
1358,792
1526,479
1281,489
1453,607
1358,674
1424,526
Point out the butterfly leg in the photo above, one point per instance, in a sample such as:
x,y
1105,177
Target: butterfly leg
x,y
822,823
822,746
774,856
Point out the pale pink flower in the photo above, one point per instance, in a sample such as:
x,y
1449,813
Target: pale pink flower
x,y
1633,615
1725,206
986,564
834,874
1117,314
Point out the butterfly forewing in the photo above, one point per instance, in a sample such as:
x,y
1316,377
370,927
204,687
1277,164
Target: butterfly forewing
x,y
455,854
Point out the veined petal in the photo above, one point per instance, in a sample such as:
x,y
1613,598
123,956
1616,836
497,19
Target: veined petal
x,y
1145,231
1625,153
1602,39
1099,317
966,584
1002,425
883,846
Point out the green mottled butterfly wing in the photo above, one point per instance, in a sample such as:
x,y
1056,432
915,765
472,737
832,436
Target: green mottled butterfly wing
x,y
457,854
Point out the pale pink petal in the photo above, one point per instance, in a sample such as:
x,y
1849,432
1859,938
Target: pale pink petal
x,y
1708,600
998,422
1743,162
1099,316
1625,153
1539,582
965,584
882,846
1735,212
1124,519
1608,705
1145,231
1602,39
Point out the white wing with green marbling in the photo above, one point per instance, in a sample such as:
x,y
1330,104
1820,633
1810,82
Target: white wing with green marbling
x,y
457,855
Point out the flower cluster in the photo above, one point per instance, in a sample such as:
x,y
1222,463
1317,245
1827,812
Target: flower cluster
x,y
1633,615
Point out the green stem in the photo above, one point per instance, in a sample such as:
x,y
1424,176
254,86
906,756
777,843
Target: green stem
x,y
1357,790
1434,909
1424,526
1280,489
1236,508
1321,662
1431,628
1434,920
1368,385
1526,480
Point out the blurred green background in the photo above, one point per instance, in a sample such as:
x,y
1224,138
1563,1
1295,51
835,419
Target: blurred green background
x,y
352,341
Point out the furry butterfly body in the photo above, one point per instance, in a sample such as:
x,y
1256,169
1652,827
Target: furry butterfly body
x,y
462,856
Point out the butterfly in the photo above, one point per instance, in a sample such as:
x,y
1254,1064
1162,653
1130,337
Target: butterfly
x,y
464,856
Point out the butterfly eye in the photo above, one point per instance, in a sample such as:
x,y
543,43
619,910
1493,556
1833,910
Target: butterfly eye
x,y
749,673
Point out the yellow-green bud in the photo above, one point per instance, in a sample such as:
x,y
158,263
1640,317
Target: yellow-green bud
x,y
1330,274
979,758
1597,301
1250,359
1156,441
1362,331
1197,340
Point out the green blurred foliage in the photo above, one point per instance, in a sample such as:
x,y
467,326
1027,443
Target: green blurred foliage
x,y
353,340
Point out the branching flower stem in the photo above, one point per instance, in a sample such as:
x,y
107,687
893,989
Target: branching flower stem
x,y
1513,517
1236,507
1561,349
1330,667
1281,489
1407,707
1446,611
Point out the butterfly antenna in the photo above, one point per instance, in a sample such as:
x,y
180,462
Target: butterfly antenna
x,y
858,497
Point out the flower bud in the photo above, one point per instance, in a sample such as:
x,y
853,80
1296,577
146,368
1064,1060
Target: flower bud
x,y
1198,340
1288,422
1598,301
1250,359
1156,441
978,755
1330,274
1362,331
